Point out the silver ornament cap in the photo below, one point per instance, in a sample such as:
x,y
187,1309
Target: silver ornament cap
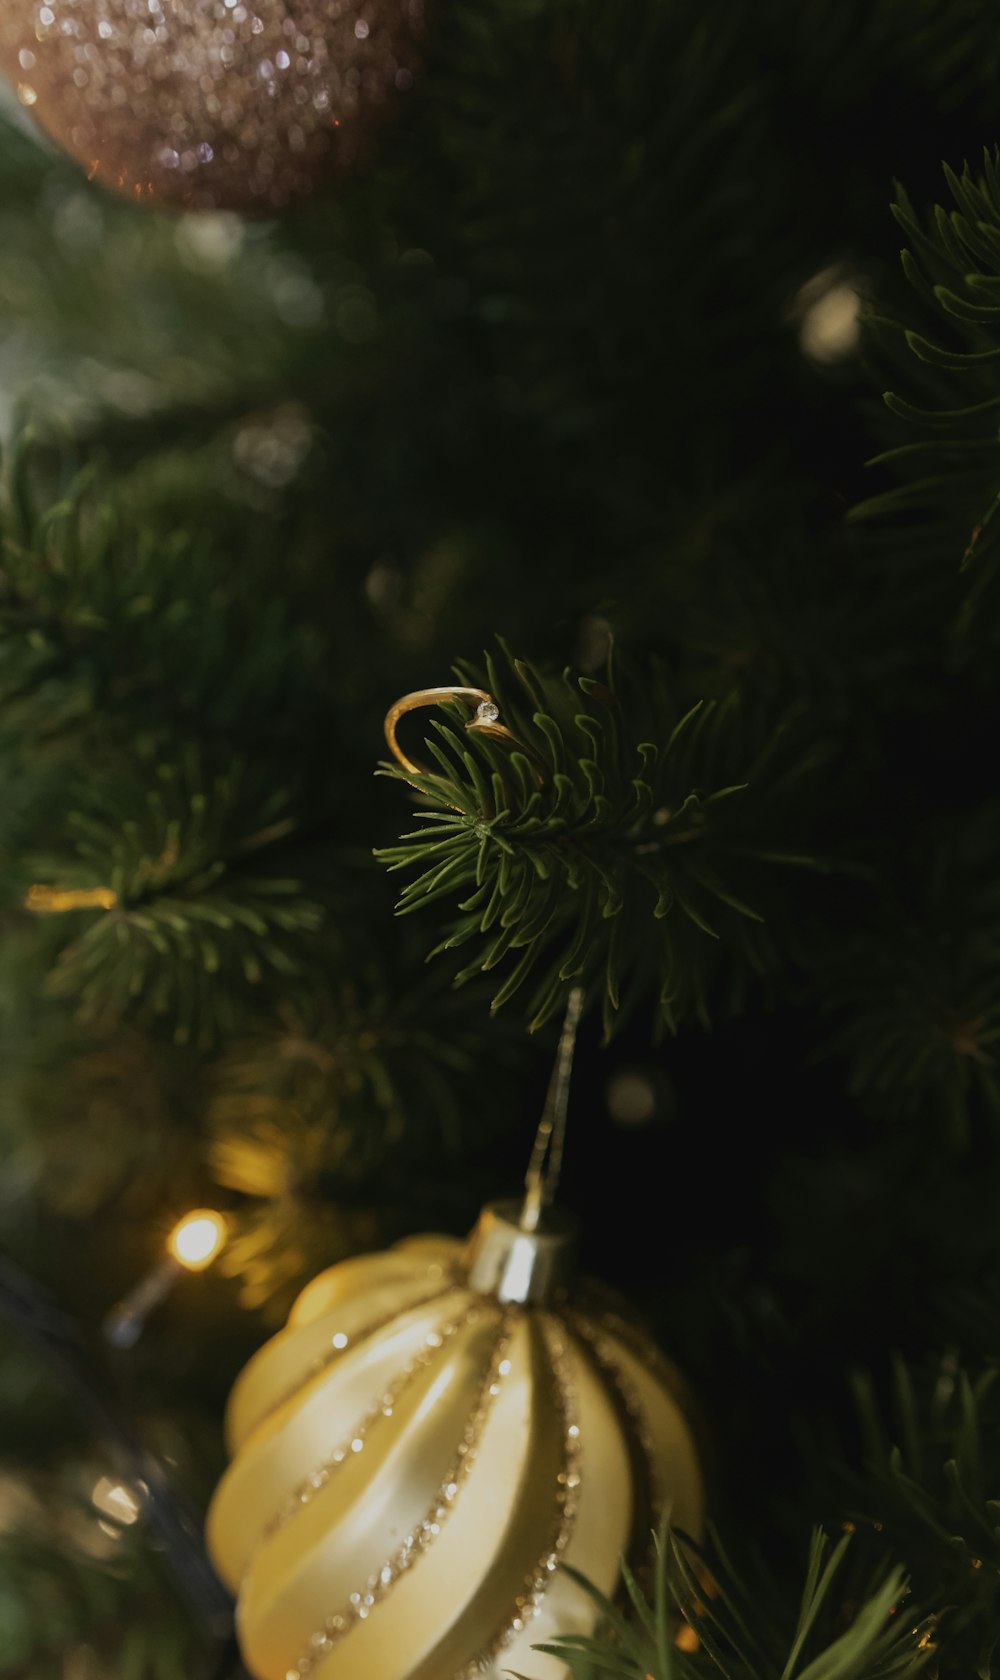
x,y
524,1253
519,1266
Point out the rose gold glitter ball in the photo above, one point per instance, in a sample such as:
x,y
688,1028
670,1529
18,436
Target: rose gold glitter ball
x,y
211,104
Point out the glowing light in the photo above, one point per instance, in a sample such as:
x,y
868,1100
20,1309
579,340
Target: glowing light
x,y
43,898
197,1239
632,1097
115,1500
828,309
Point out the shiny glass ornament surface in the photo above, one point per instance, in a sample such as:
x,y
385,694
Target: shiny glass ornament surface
x,y
413,1458
211,104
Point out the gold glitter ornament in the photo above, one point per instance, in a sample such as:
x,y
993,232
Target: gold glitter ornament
x,y
436,1431
211,104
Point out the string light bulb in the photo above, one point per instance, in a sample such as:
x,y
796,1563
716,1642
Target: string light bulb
x,y
828,311
118,1502
192,1245
197,1238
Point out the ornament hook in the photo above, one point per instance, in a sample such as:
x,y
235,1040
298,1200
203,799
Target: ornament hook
x,y
485,721
542,1178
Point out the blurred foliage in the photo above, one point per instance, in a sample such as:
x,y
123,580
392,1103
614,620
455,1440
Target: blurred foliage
x,y
190,912
548,371
725,1629
332,1117
917,989
930,1496
599,858
82,1594
949,474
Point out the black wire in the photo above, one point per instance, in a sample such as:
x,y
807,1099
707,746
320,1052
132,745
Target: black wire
x,y
61,1344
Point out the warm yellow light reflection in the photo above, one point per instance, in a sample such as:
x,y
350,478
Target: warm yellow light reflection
x,y
114,1499
49,900
197,1238
828,308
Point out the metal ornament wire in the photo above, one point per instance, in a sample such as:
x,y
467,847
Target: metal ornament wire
x,y
77,1364
484,721
544,1169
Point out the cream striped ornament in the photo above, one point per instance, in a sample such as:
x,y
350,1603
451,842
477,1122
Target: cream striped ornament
x,y
437,1429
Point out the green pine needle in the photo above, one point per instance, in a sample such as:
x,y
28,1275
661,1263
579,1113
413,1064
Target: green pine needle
x,y
948,485
735,1637
626,870
196,914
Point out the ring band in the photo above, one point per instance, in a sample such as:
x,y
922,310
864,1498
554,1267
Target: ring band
x,y
484,722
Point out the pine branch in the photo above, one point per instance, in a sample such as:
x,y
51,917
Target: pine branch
x,y
633,135
66,1354
188,914
346,1114
625,869
91,1118
70,1583
198,329
117,618
930,1493
947,462
724,1630
839,52
918,990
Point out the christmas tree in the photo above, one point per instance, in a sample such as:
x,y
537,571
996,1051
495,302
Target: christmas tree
x,y
568,391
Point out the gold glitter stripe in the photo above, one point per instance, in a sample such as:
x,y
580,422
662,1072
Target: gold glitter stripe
x,y
360,1604
341,1344
566,1498
649,1494
641,1345
648,1352
306,1490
